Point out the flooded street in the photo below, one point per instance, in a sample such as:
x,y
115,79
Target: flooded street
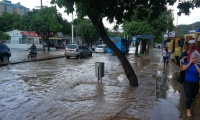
x,y
63,89
67,89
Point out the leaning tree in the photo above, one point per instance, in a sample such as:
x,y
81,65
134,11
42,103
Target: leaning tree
x,y
118,10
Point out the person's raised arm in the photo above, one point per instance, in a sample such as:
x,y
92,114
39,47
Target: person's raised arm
x,y
181,49
185,67
197,67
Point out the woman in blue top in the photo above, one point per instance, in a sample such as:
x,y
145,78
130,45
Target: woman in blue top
x,y
191,83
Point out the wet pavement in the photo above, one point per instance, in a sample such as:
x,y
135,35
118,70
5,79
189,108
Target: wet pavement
x,y
67,89
21,56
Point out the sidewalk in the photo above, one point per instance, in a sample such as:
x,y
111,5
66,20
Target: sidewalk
x,y
170,96
20,56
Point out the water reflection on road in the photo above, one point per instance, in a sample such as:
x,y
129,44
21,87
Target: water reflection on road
x,y
170,97
63,89
67,89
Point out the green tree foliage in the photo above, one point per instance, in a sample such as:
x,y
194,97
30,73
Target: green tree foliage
x,y
185,6
66,26
138,28
9,21
45,22
4,36
181,30
161,24
118,10
87,31
164,22
154,27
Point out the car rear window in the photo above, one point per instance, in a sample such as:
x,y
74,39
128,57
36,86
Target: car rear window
x,y
71,46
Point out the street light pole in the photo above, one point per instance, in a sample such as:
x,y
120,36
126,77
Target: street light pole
x,y
42,31
72,29
41,3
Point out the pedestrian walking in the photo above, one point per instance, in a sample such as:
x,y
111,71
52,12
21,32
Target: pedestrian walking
x,y
191,83
165,54
177,53
184,54
183,59
192,48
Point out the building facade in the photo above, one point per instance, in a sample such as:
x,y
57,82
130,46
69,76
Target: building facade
x,y
8,7
22,39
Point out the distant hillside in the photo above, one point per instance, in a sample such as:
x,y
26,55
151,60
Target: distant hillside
x,y
183,29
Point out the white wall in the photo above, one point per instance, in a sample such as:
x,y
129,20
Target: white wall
x,y
15,36
15,40
23,46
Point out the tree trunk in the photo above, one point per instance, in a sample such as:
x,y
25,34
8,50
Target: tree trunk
x,y
137,44
43,40
148,47
144,44
48,44
122,58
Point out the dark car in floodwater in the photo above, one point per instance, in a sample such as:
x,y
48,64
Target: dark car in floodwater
x,y
4,53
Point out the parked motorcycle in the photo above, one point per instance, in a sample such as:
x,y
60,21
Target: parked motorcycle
x,y
32,54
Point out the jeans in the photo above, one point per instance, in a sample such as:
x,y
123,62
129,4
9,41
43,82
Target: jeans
x,y
191,90
177,60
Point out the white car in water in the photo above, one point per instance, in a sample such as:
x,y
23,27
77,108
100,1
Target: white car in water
x,y
78,51
101,48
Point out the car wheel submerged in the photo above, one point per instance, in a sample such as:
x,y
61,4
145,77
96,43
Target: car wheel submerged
x,y
67,57
5,58
81,56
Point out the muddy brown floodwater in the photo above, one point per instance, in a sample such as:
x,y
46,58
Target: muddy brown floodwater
x,y
67,89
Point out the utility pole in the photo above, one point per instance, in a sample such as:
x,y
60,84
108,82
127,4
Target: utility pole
x,y
177,24
72,29
41,3
43,47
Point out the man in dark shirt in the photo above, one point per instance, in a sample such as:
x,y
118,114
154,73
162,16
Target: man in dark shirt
x,y
33,48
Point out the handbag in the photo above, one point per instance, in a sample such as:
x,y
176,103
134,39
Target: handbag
x,y
181,77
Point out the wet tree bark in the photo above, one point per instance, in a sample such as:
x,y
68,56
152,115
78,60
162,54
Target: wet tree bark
x,y
122,58
144,44
137,44
43,40
48,45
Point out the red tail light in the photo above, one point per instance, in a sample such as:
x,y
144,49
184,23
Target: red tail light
x,y
76,50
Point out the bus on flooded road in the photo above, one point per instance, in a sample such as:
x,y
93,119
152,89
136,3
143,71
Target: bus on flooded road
x,y
122,45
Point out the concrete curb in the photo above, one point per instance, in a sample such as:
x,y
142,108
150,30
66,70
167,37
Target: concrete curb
x,y
31,60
